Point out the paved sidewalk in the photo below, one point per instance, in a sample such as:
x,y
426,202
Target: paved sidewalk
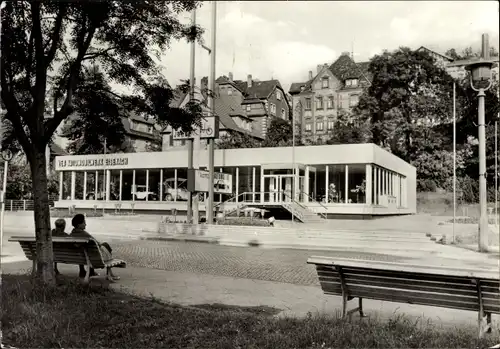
x,y
294,300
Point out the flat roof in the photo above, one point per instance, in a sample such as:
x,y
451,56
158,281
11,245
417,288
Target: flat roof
x,y
366,153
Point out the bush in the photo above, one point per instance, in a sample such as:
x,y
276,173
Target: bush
x,y
246,221
426,185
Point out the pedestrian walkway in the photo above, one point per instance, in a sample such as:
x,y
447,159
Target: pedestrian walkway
x,y
293,300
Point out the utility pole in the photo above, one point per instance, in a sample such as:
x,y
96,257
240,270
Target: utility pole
x,y
191,140
211,84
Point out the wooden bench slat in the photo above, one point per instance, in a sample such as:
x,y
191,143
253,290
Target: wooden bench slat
x,y
458,283
413,298
345,263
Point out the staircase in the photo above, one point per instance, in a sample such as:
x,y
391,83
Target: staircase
x,y
302,213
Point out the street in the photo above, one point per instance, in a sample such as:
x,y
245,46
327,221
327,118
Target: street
x,y
287,266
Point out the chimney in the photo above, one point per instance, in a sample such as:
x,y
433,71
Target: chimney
x,y
310,75
318,68
345,53
230,76
249,80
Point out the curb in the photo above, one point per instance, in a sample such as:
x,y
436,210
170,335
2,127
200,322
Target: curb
x,y
214,241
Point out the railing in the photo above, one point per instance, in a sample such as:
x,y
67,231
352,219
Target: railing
x,y
324,215
22,205
249,197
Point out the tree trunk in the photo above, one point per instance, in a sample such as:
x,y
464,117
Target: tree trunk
x,y
45,258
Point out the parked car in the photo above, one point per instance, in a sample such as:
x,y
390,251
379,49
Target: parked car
x,y
141,192
181,194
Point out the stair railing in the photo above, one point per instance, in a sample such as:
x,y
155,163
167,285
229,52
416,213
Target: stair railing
x,y
325,214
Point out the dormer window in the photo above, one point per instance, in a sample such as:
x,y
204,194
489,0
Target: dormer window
x,y
351,82
325,82
229,91
278,95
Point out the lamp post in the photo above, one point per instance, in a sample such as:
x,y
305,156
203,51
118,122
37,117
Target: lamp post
x,y
480,80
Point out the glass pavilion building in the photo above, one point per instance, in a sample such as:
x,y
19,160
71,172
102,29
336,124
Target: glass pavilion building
x,y
340,180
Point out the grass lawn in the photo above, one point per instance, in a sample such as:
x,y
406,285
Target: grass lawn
x,y
74,316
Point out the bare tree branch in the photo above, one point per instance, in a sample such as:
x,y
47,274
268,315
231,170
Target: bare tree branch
x,y
40,75
56,33
67,107
92,55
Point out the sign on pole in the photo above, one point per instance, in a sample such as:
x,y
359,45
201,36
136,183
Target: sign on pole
x,y
198,181
209,129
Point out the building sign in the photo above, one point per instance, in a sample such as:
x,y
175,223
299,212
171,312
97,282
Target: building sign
x,y
92,162
198,181
209,129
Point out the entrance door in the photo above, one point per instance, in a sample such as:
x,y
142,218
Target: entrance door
x,y
279,187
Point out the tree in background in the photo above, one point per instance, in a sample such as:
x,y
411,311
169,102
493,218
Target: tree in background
x,y
46,48
408,89
348,129
97,117
279,134
236,140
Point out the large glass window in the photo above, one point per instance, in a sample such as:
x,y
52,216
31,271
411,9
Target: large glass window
x,y
114,185
336,183
79,185
66,185
154,185
357,183
127,179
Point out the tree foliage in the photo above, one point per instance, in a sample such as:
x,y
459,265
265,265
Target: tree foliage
x,y
348,129
408,89
46,49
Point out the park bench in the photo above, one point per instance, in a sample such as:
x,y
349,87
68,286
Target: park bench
x,y
70,250
463,289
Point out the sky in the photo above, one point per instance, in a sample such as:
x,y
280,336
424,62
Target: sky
x,y
285,39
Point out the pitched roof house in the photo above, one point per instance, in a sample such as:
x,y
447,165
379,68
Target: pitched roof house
x,y
335,87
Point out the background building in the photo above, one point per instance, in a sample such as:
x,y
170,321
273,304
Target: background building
x,y
334,88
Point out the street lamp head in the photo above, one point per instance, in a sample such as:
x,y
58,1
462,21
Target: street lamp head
x,y
480,73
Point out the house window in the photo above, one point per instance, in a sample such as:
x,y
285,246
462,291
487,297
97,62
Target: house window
x,y
325,82
353,100
330,125
319,126
319,103
150,129
278,95
282,113
273,109
249,107
330,102
308,103
308,126
229,91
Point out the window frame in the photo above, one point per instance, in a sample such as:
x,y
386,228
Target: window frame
x,y
319,101
308,126
308,104
323,80
318,124
331,101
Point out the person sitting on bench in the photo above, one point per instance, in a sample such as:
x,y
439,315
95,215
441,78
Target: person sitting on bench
x,y
59,231
79,225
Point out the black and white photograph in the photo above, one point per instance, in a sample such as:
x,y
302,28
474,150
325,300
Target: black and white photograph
x,y
249,174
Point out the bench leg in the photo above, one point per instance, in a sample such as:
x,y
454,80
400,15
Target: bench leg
x,y
361,313
33,268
